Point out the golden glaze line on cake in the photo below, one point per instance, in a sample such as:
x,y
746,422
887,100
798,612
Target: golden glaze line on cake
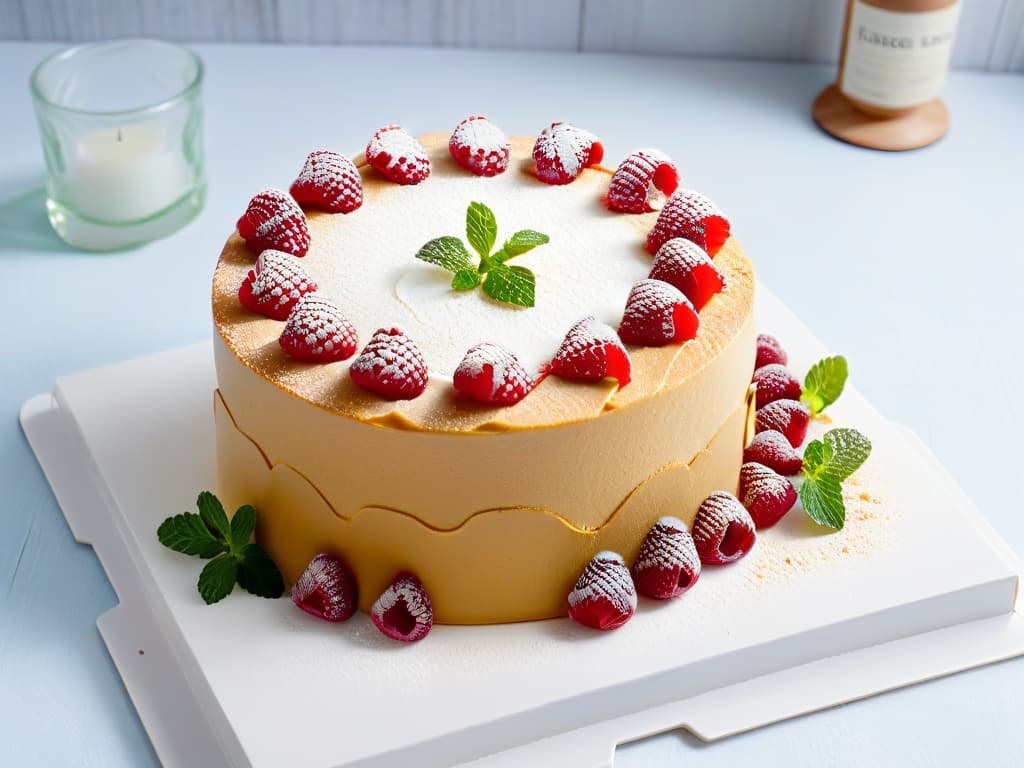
x,y
495,509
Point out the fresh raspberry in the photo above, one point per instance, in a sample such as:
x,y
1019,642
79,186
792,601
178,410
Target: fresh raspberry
x,y
604,596
562,151
391,365
398,156
775,382
275,285
765,493
668,563
691,215
790,417
769,351
686,266
403,611
590,352
491,374
479,146
330,181
723,530
326,589
318,332
273,220
772,449
639,179
657,314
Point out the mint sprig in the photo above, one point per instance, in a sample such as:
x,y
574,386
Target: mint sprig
x,y
827,463
233,559
511,285
824,383
481,228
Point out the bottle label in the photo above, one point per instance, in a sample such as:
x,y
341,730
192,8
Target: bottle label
x,y
896,59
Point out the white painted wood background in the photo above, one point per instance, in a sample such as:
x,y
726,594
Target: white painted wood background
x,y
990,37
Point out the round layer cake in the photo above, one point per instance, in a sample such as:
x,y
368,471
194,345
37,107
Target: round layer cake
x,y
496,509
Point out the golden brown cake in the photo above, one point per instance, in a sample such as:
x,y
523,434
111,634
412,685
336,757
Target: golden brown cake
x,y
495,509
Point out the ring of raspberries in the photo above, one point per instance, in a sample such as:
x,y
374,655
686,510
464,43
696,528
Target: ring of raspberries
x,y
662,309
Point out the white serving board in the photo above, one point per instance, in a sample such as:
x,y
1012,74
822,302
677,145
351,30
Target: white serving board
x,y
916,586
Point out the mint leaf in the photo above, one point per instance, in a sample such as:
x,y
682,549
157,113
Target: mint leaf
x,y
466,279
218,578
522,241
242,526
822,499
188,534
258,574
447,252
213,514
210,535
481,228
512,285
824,383
827,462
848,449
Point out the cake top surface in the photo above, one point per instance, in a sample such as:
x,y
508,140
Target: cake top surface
x,y
364,261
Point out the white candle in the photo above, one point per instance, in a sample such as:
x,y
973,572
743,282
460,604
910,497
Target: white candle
x,y
125,174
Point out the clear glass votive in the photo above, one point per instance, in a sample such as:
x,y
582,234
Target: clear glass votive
x,y
121,128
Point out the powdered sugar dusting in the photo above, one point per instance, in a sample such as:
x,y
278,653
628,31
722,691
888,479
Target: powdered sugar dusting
x,y
398,155
277,283
562,150
408,591
274,220
391,365
667,546
481,146
772,449
407,597
508,380
605,578
786,416
690,215
633,188
584,351
325,589
317,330
712,522
767,495
678,256
650,312
330,180
687,266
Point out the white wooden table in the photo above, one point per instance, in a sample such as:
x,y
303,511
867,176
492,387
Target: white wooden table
x,y
909,264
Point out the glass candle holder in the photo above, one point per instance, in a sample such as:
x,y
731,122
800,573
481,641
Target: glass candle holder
x,y
121,128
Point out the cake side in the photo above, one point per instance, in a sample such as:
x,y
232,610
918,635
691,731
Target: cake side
x,y
497,527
